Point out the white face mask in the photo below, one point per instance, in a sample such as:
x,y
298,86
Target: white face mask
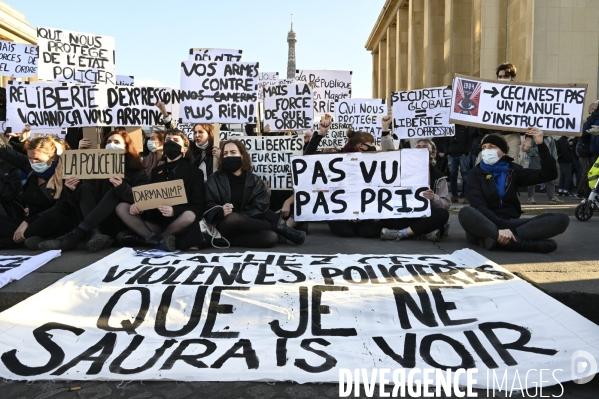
x,y
113,146
39,167
490,156
152,146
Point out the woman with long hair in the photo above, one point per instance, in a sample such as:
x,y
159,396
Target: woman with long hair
x,y
205,151
154,158
46,212
166,227
237,203
97,199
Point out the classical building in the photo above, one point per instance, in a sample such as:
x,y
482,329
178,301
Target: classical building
x,y
15,28
423,43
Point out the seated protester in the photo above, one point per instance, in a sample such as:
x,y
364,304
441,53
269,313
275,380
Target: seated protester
x,y
154,158
11,208
205,151
17,140
237,203
167,227
47,214
356,142
493,217
434,226
97,199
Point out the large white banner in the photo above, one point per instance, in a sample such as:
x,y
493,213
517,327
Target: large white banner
x,y
56,105
363,114
288,107
282,316
222,92
351,186
513,106
328,87
422,113
68,56
15,267
18,60
271,157
215,54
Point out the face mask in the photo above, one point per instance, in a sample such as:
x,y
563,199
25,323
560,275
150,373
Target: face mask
x,y
114,146
42,170
490,157
152,146
369,148
232,164
172,150
39,167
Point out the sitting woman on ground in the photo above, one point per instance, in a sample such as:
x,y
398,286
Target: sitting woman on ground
x,y
356,142
435,226
205,151
237,203
167,227
47,213
154,158
96,199
11,207
493,218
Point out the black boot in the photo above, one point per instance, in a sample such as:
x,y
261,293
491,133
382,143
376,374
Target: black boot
x,y
66,242
168,244
303,227
33,243
129,239
295,236
539,246
98,241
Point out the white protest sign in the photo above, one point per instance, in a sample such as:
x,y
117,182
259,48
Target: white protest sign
x,y
271,157
187,128
283,316
422,113
288,107
18,60
328,87
513,106
124,80
363,115
266,79
15,267
222,92
68,56
229,134
215,54
55,105
336,136
361,185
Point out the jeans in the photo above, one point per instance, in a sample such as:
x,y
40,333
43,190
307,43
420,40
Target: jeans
x,y
565,177
535,163
462,163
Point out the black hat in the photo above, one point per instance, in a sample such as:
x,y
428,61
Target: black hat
x,y
498,141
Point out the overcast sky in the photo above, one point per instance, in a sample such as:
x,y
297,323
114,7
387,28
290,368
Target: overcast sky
x,y
153,37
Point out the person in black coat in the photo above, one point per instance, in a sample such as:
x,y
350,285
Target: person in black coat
x,y
457,148
167,227
493,217
237,203
96,199
564,159
46,212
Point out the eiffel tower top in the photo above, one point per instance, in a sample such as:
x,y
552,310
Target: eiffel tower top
x,y
291,35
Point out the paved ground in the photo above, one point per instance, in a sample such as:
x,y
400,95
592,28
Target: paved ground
x,y
571,275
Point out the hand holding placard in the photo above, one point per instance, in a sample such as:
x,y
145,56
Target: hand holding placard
x,y
536,134
162,196
386,122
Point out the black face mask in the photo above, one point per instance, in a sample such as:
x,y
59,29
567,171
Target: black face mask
x,y
171,149
232,164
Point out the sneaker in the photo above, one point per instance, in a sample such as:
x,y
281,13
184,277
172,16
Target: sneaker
x,y
454,199
390,235
446,229
542,190
555,201
560,192
566,193
461,195
434,236
33,242
531,201
466,202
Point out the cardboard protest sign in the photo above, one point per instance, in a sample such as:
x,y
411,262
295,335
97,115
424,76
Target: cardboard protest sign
x,y
137,137
215,54
422,113
283,316
513,106
328,87
271,157
288,107
151,196
15,267
93,135
361,185
18,60
124,80
223,92
362,114
93,164
68,56
50,105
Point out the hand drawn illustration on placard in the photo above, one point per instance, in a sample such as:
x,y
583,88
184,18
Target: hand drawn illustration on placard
x,y
468,97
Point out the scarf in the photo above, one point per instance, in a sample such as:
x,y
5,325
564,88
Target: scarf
x,y
203,156
53,182
499,172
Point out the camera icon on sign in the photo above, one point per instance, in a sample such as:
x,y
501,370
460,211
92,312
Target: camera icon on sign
x,y
584,367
